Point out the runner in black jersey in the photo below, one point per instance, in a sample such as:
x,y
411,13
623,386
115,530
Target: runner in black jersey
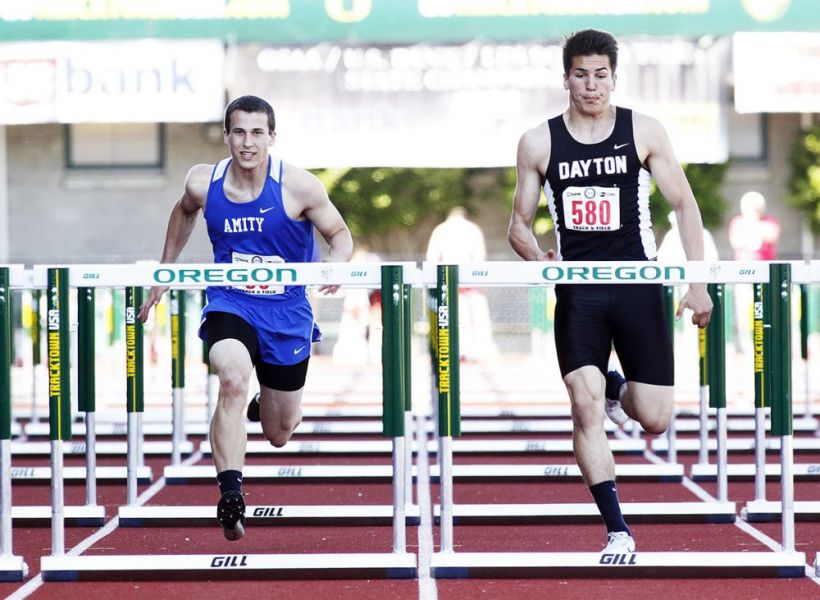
x,y
594,162
257,208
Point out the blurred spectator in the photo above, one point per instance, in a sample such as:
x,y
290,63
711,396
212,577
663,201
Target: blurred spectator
x,y
671,248
455,241
359,341
754,234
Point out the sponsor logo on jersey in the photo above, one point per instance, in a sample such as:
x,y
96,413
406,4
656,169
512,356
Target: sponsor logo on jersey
x,y
607,165
243,224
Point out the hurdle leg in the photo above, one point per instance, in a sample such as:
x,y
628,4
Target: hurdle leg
x,y
134,390
59,417
177,316
760,453
703,402
445,449
35,352
448,377
399,497
12,568
716,357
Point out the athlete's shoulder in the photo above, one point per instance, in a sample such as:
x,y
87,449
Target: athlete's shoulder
x,y
198,180
534,144
302,185
645,125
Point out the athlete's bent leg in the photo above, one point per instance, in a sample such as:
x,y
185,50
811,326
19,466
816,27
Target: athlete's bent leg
x,y
231,362
648,404
280,413
586,392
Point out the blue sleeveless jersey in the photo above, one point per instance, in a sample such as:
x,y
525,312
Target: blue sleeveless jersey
x,y
598,195
258,231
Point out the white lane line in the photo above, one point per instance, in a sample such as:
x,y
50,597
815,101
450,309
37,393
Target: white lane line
x,y
745,527
427,584
34,583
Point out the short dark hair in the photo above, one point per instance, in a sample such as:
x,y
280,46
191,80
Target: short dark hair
x,y
587,43
250,104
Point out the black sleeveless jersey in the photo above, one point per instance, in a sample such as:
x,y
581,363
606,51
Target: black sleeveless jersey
x,y
598,195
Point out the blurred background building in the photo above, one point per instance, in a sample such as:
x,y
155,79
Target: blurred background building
x,y
105,105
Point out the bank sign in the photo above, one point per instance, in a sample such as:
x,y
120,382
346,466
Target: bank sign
x,y
137,81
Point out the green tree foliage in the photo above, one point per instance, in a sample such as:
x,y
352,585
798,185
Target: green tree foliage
x,y
377,201
804,185
706,181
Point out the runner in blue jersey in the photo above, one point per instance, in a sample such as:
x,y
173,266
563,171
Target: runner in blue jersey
x,y
594,162
257,209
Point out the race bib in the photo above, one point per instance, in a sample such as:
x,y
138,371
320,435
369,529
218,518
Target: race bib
x,y
258,290
592,208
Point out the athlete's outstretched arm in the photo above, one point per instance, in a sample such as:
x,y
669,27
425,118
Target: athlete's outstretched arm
x,y
533,150
675,188
180,226
319,210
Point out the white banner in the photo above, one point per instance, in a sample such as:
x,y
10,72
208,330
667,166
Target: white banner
x,y
430,105
119,82
777,72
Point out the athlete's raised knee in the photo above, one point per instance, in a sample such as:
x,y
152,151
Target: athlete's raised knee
x,y
656,424
287,425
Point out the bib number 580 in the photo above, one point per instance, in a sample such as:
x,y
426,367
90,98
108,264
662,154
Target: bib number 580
x,y
591,213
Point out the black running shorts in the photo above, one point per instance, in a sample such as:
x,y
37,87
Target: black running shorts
x,y
590,319
222,325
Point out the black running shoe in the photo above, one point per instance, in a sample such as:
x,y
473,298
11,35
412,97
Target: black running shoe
x,y
253,409
230,512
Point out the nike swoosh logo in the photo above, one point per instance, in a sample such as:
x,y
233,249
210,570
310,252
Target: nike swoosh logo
x,y
264,210
299,349
619,146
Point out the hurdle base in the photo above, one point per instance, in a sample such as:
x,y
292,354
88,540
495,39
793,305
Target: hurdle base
x,y
558,472
25,475
496,565
205,516
747,471
12,568
74,516
760,511
635,512
180,474
229,566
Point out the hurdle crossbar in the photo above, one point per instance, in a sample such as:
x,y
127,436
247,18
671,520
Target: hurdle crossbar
x,y
567,512
345,515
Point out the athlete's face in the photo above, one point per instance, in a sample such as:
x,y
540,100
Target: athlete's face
x,y
249,138
590,81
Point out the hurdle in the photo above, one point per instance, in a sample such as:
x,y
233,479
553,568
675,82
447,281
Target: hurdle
x,y
450,564
720,511
765,367
12,568
767,380
396,564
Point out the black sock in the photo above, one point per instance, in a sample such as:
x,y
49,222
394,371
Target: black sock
x,y
229,481
606,497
